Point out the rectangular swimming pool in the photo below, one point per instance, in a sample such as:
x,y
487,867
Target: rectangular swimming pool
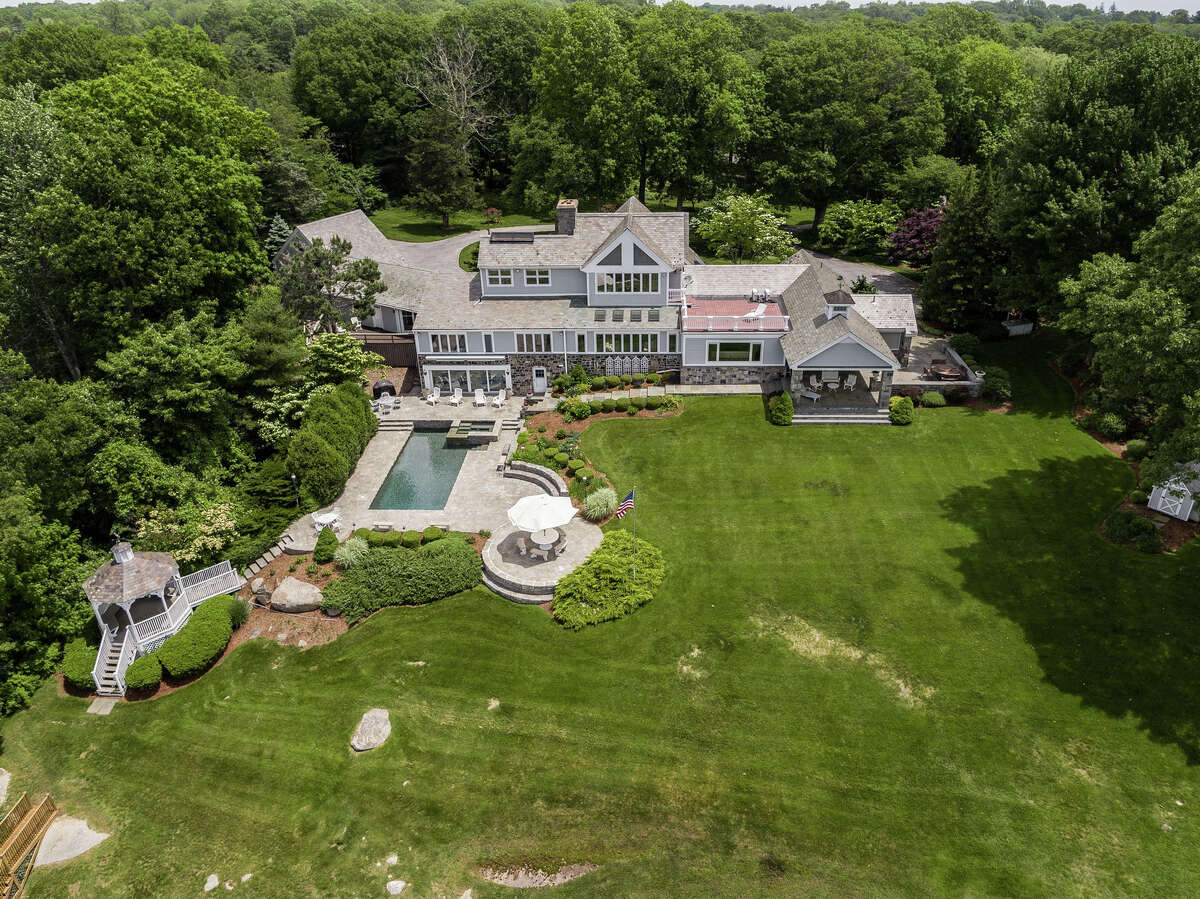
x,y
423,474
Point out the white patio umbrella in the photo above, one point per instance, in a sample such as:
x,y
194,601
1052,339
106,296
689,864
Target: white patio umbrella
x,y
537,514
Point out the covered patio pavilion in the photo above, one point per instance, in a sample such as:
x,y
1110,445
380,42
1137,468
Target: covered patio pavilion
x,y
840,388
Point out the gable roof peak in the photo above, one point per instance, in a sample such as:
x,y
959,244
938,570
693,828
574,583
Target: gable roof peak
x,y
633,204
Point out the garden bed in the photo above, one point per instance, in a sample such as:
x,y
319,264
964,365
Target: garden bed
x,y
1173,533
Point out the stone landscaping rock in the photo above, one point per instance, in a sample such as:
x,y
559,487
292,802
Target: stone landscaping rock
x,y
373,729
294,595
395,887
4,779
259,587
211,883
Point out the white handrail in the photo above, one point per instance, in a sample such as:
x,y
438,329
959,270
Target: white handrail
x,y
106,638
735,323
128,650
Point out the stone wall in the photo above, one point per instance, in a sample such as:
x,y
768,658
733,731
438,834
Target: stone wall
x,y
733,374
523,366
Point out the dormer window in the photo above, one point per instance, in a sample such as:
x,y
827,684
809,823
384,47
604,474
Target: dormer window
x,y
838,302
833,310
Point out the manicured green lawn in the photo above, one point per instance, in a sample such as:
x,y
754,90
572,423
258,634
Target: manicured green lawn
x,y
403,223
885,661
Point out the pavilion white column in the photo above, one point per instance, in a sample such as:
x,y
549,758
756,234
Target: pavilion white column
x,y
885,388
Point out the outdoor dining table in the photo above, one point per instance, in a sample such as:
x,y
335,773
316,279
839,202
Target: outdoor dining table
x,y
326,519
544,539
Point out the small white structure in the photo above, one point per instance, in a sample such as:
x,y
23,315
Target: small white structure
x,y
1177,496
139,599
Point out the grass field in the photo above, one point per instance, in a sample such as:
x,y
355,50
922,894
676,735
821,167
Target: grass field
x,y
886,661
404,223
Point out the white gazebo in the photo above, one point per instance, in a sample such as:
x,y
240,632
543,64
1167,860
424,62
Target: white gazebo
x,y
139,600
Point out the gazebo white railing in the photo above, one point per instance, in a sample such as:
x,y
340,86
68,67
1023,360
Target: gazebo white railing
x,y
164,623
209,582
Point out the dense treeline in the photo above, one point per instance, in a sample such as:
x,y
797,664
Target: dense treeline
x,y
155,371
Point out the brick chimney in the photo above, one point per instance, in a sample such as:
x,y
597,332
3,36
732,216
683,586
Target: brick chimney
x,y
564,216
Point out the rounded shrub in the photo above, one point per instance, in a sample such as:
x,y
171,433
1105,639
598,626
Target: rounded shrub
x,y
598,383
144,673
560,434
597,406
432,533
1139,497
638,402
1107,424
600,504
653,378
612,381
561,458
587,473
351,552
391,538
410,539
574,409
1137,449
622,405
631,410
932,400
575,465
900,410
79,658
200,642
654,402
327,544
608,405
997,384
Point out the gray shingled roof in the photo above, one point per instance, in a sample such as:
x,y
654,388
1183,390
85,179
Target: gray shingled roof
x,y
633,204
465,310
725,281
666,232
888,311
368,241
142,575
812,331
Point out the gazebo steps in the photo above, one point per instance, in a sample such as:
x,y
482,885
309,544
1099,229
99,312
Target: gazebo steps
x,y
529,599
866,417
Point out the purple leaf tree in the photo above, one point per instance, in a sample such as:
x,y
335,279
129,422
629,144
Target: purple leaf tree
x,y
914,240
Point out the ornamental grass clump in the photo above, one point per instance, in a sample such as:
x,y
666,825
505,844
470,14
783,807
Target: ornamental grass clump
x,y
351,552
606,586
599,505
397,577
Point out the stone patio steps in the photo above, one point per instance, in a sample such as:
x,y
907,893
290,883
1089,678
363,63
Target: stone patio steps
x,y
530,599
281,546
548,480
874,417
392,424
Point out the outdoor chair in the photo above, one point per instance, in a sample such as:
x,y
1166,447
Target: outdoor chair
x,y
815,383
480,399
498,402
456,397
539,553
522,546
561,546
851,381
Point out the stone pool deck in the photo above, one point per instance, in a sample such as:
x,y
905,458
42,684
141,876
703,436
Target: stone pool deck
x,y
479,500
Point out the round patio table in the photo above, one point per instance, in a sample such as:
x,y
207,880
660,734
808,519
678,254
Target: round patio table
x,y
544,539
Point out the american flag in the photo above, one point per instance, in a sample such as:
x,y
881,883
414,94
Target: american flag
x,y
626,506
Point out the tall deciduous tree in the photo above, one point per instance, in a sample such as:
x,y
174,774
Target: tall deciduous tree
x,y
739,227
846,106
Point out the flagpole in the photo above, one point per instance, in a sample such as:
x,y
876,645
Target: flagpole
x,y
635,518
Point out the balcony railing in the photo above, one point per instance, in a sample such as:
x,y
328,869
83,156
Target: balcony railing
x,y
735,323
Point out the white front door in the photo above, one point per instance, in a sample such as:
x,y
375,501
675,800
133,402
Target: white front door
x,y
539,380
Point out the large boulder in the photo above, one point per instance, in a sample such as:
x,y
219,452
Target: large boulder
x,y
373,729
259,587
294,595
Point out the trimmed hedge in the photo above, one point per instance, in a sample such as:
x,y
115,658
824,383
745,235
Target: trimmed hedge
x,y
327,544
144,673
603,587
431,533
932,400
997,383
79,658
200,642
336,427
410,539
900,410
1123,526
390,577
1137,449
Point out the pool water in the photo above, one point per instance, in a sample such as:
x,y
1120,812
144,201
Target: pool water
x,y
423,474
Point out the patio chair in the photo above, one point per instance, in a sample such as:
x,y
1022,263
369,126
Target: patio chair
x,y
814,382
434,396
561,546
538,553
498,402
522,546
851,381
456,397
480,399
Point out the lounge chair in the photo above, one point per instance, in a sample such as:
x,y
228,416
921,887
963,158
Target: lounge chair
x,y
456,397
498,402
434,396
538,553
813,395
480,399
851,381
522,546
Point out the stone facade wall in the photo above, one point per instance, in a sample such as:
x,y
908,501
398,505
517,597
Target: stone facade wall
x,y
733,374
523,365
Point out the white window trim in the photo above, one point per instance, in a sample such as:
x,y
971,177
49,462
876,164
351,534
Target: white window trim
x,y
461,335
428,369
627,277
598,336
533,335
496,276
546,283
709,343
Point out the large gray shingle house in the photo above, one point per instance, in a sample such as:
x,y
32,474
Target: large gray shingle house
x,y
622,292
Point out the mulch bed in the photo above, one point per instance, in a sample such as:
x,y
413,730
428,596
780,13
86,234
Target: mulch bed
x,y
985,405
1174,533
554,420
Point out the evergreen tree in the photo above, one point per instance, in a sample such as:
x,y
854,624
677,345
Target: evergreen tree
x,y
959,285
439,167
277,236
